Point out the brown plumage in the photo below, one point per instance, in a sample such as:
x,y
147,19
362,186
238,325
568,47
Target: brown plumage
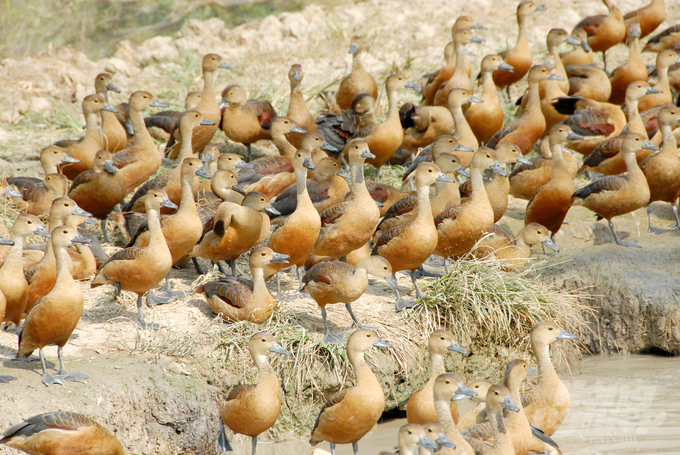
x,y
605,30
425,124
164,124
582,53
338,128
632,71
649,17
446,387
297,107
50,158
463,133
443,144
664,40
385,195
590,82
38,198
480,387
114,137
358,81
460,78
99,190
664,60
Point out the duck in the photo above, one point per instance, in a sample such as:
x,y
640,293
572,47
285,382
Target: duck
x,y
663,40
50,158
141,159
463,133
4,232
519,57
171,182
297,107
552,117
140,269
82,256
349,414
604,30
472,416
436,434
245,120
443,144
164,124
513,252
448,387
99,190
385,195
236,229
85,150
114,137
385,138
649,17
664,60
237,299
406,246
497,400
38,198
52,319
54,433
616,195
632,71
589,82
358,81
423,124
13,285
582,54
551,203
420,405
349,225
499,187
208,107
331,282
440,77
252,409
460,78
411,437
43,276
214,160
338,127
224,186
460,227
486,118
546,405
528,129
663,169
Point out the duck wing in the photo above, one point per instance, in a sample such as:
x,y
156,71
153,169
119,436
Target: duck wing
x,y
157,182
231,291
82,178
608,183
69,421
333,213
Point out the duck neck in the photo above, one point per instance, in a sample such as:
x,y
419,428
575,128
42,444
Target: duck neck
x,y
662,82
358,175
534,100
632,165
208,85
634,51
15,254
500,432
459,69
522,245
559,165
546,370
477,182
488,88
670,145
361,369
142,138
92,130
259,285
437,361
282,144
463,130
522,38
50,168
64,267
357,66
393,109
264,369
423,208
443,409
156,237
185,147
359,278
303,198
187,205
635,124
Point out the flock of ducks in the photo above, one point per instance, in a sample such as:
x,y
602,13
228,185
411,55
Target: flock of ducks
x,y
300,206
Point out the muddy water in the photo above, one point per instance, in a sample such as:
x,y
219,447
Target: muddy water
x,y
619,405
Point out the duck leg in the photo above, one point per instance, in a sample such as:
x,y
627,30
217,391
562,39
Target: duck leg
x,y
355,448
331,337
401,303
222,443
254,439
628,243
63,375
414,277
106,235
652,229
332,448
219,266
354,318
377,174
197,266
140,317
47,378
250,157
677,218
166,296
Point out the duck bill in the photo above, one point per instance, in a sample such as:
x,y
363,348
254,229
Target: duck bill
x,y
463,393
206,157
109,167
239,190
279,258
378,203
462,148
168,203
474,99
505,67
541,8
455,347
40,184
413,85
206,122
112,88
478,26
574,137
276,347
426,443
366,154
382,344
525,161
345,175
129,128
297,129
463,172
11,192
223,103
509,405
548,243
353,48
80,212
566,336
649,146
272,212
442,440
307,162
328,147
496,167
157,103
585,46
555,77
80,239
201,171
244,165
652,91
108,108
444,178
69,159
41,231
297,76
532,372
477,39
5,241
469,52
574,42
391,280
226,66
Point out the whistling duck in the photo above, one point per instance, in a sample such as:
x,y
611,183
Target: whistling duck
x,y
551,203
5,189
436,434
297,107
164,124
664,40
13,285
207,107
56,433
182,230
499,187
443,144
582,53
38,198
463,133
547,403
98,191
339,282
551,115
406,246
459,78
590,82
358,81
245,120
52,319
338,128
237,228
50,158
349,414
513,252
272,174
423,124
556,36
649,17
420,406
214,160
460,227
411,437
224,188
171,182
519,57
605,30
140,269
528,129
327,188
82,256
662,169
238,299
253,409
385,195
385,138
435,80
447,388
617,195
632,71
664,60
497,400
486,118
350,224
114,137
85,150
43,276
480,387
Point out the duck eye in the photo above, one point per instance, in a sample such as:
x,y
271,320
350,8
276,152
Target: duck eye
x,y
429,170
264,340
488,156
67,205
65,232
477,386
56,152
29,222
384,268
538,232
550,328
264,254
448,382
496,393
410,432
442,338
